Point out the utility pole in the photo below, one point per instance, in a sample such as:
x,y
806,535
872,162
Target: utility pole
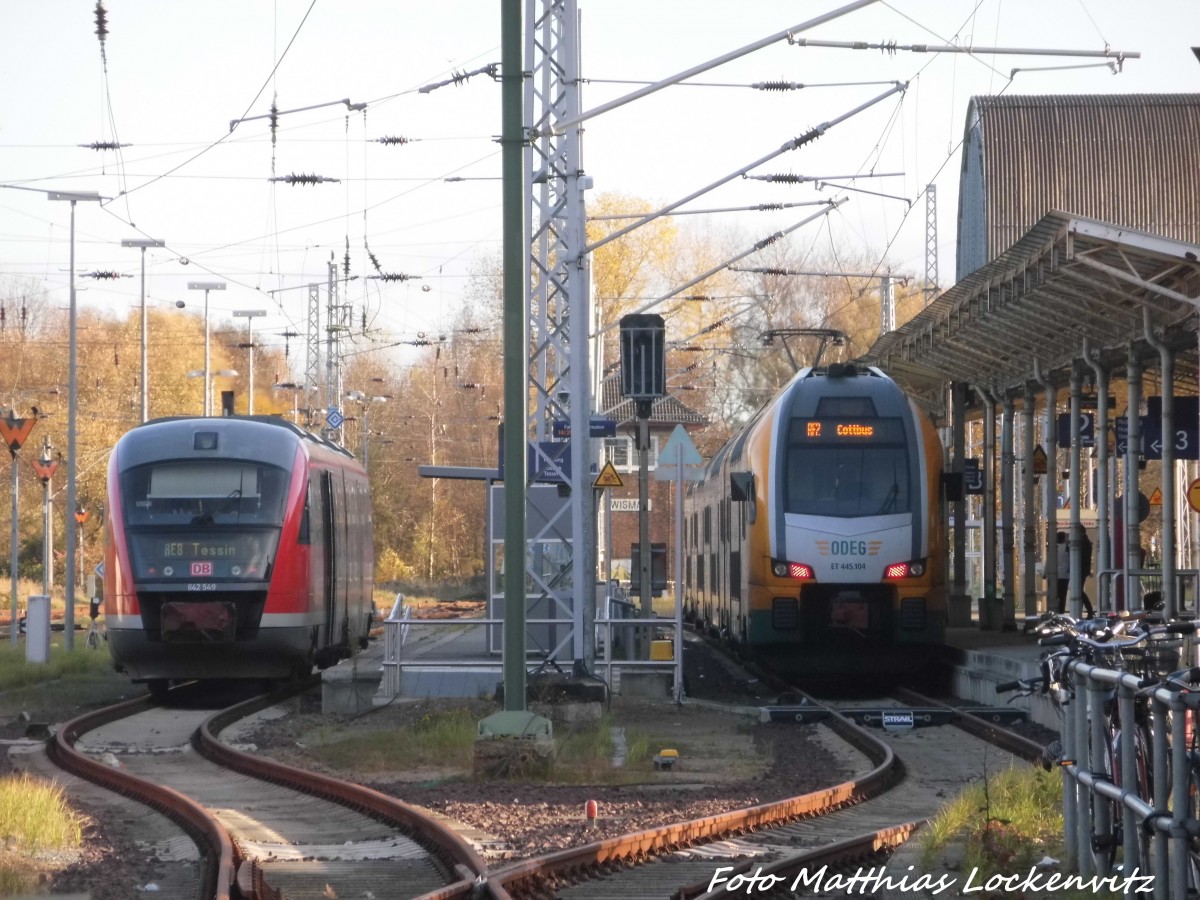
x,y
15,432
250,315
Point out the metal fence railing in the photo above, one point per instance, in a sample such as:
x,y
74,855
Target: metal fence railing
x,y
465,645
1129,782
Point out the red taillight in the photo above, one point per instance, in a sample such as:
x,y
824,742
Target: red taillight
x,y
914,568
783,569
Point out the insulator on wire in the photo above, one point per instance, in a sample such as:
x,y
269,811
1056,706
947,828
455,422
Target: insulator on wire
x,y
101,22
777,86
103,145
303,178
104,275
395,276
395,140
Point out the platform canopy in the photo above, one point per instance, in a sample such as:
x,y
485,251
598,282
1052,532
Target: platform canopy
x,y
1067,280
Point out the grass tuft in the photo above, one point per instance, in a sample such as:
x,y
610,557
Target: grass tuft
x,y
1003,824
34,815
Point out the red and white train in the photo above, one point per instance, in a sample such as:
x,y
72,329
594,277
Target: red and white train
x,y
237,547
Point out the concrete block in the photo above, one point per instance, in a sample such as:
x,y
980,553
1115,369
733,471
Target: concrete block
x,y
646,684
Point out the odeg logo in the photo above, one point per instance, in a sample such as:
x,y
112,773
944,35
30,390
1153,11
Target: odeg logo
x,y
848,548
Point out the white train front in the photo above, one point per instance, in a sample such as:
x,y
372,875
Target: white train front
x,y
819,526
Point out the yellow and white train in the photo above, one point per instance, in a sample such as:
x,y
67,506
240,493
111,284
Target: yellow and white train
x,y
817,535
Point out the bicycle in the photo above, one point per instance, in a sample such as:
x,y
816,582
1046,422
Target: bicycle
x,y
1129,643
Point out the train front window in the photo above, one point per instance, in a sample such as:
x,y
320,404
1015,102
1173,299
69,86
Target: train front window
x,y
847,469
212,493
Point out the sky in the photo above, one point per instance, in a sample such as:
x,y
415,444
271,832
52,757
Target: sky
x,y
172,77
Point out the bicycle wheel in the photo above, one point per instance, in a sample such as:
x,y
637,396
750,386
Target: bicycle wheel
x,y
1107,833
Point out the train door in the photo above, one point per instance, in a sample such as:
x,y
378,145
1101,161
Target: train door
x,y
318,589
329,548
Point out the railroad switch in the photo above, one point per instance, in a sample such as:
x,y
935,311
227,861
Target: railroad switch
x,y
665,759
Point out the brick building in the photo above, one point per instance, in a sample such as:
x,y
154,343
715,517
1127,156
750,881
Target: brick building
x,y
621,451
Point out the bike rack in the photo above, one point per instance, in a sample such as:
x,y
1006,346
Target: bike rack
x,y
1163,816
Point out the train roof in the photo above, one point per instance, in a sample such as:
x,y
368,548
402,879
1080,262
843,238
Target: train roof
x,y
151,445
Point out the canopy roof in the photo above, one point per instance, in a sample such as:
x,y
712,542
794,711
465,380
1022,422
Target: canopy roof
x,y
1070,279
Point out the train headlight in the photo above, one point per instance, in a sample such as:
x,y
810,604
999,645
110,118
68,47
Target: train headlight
x,y
784,569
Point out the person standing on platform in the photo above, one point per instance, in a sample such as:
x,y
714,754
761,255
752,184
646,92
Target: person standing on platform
x,y
1062,570
1085,570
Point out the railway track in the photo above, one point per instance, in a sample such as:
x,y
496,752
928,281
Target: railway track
x,y
239,826
901,779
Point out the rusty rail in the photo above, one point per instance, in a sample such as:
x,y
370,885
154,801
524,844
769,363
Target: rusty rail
x,y
455,853
519,877
973,724
220,862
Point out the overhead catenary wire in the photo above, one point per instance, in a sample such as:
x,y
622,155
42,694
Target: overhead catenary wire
x,y
796,143
767,241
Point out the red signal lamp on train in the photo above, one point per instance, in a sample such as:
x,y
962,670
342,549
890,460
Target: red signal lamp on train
x,y
785,569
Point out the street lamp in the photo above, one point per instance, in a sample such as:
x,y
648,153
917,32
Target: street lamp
x,y
72,197
206,286
250,315
143,243
364,434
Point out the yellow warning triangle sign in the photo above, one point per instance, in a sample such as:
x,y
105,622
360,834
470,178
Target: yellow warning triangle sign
x,y
1039,460
1156,497
608,477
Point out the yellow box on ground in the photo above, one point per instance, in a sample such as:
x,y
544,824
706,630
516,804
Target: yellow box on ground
x,y
661,650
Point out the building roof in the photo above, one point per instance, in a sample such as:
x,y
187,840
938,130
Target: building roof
x,y
665,412
1067,281
1130,159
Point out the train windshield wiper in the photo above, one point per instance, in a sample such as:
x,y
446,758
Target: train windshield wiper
x,y
889,501
231,501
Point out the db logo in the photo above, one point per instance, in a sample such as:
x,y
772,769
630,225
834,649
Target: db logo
x,y
202,568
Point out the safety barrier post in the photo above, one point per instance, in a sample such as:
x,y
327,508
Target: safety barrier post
x,y
1069,805
1179,800
1083,818
1130,831
1162,788
395,632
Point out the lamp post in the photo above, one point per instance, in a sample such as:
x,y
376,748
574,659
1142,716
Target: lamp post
x,y
364,402
72,197
143,243
250,315
206,286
